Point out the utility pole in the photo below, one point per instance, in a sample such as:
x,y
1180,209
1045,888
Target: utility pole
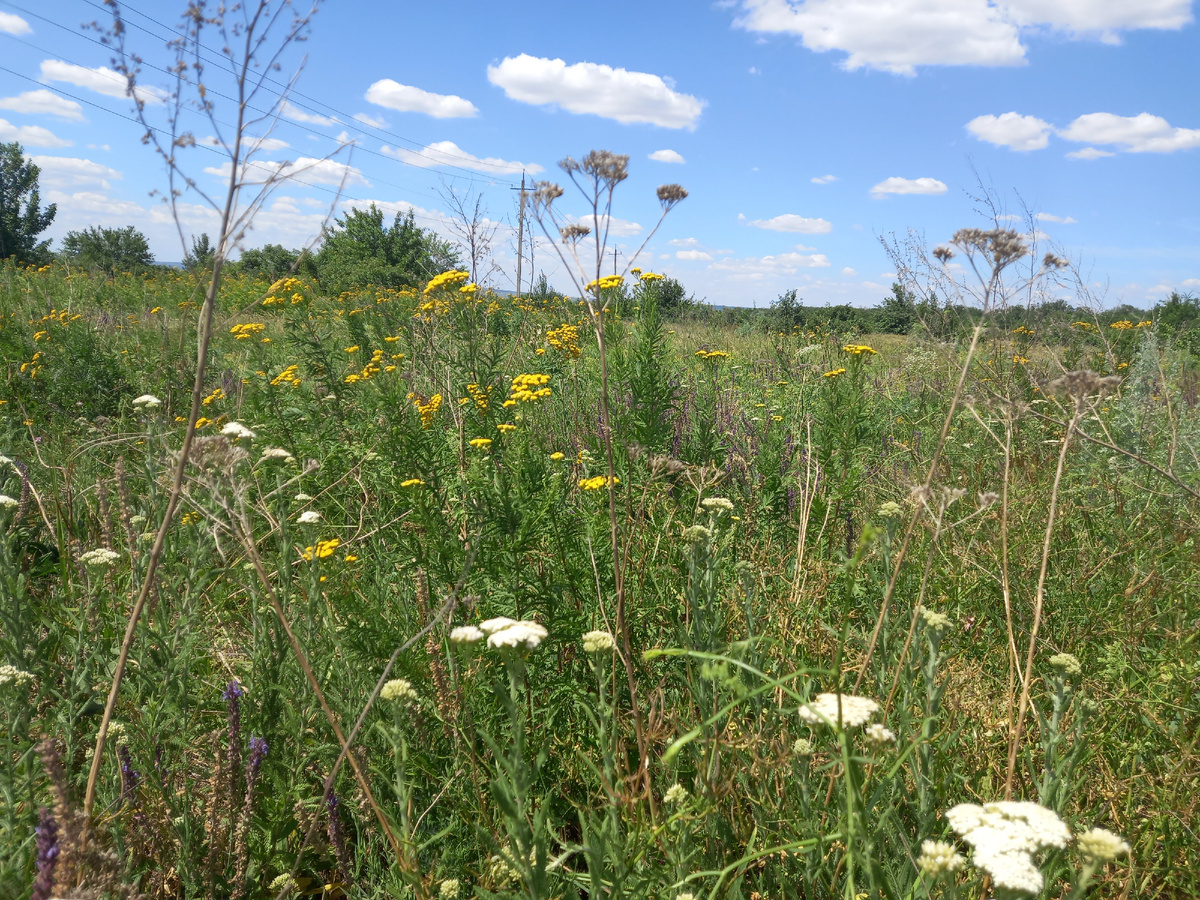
x,y
520,232
614,260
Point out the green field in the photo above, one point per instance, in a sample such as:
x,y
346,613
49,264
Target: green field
x,y
771,514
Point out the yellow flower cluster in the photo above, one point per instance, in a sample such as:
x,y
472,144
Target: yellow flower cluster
x,y
1019,360
290,375
1021,329
411,482
834,373
427,408
371,369
506,427
283,291
469,288
1145,323
1122,325
454,276
1084,325
480,443
212,398
711,354
32,367
860,349
564,339
605,283
651,276
596,482
322,550
481,396
246,330
527,388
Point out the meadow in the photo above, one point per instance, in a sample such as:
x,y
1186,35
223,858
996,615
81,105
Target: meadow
x,y
751,611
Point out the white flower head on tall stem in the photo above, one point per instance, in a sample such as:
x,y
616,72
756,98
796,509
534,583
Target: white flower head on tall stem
x,y
237,431
146,401
99,558
309,517
824,710
1005,835
466,634
520,636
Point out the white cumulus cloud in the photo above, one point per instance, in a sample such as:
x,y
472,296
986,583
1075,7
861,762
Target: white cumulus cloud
x,y
66,172
1142,133
1012,130
371,121
306,169
296,114
406,98
896,185
1050,217
101,79
667,156
617,227
756,267
448,153
795,223
30,135
43,103
823,179
601,90
693,255
1089,153
899,35
13,24
684,242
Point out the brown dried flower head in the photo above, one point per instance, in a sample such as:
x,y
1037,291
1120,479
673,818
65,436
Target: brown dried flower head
x,y
1050,261
574,233
943,254
1000,245
671,194
545,193
1083,383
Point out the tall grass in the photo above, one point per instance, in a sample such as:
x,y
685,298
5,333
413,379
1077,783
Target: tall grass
x,y
399,476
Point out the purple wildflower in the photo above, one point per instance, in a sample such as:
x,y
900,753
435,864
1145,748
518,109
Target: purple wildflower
x,y
47,855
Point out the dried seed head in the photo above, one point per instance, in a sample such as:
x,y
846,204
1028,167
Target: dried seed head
x,y
572,234
1050,261
671,194
545,193
1000,245
1083,383
943,254
606,167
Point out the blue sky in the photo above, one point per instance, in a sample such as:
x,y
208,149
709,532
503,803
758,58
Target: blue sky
x,y
805,130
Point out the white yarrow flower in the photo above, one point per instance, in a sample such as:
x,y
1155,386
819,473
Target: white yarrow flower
x,y
518,636
938,857
398,689
1101,845
598,642
309,517
277,453
935,619
1067,663
878,737
449,889
237,430
7,502
676,793
1005,835
99,558
717,504
466,634
855,711
13,675
491,626
147,401
302,497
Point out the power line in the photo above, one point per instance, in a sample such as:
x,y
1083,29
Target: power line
x,y
303,126
291,178
293,92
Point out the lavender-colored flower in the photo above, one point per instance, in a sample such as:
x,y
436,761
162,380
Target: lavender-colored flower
x,y
233,703
47,855
337,838
258,750
130,777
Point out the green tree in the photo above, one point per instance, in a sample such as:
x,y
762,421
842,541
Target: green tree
x,y
898,312
201,255
360,250
271,262
21,219
109,250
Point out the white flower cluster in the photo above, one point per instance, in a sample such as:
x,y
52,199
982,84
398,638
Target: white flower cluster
x,y
938,857
855,711
1005,835
237,430
676,793
398,689
696,533
282,883
803,747
449,889
279,454
99,558
13,675
7,502
1067,663
598,642
878,737
1101,845
466,634
934,619
717,505
890,510
146,401
309,517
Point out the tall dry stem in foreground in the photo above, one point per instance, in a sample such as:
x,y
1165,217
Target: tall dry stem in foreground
x,y
253,38
596,177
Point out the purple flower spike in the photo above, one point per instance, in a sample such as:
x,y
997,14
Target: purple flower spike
x,y
47,855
